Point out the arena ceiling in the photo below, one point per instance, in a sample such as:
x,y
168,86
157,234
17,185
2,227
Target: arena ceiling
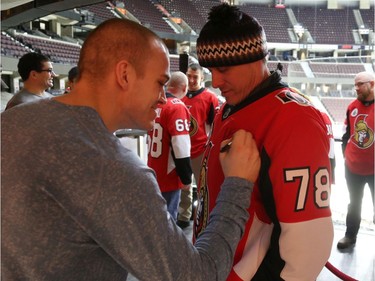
x,y
15,12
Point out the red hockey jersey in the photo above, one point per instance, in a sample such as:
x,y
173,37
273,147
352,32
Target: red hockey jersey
x,y
290,232
358,139
202,105
169,140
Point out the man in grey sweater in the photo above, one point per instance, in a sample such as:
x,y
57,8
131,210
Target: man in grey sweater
x,y
77,205
36,71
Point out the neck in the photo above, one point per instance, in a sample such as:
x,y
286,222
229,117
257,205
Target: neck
x,y
87,95
33,89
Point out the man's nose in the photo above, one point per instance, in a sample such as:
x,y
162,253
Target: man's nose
x,y
162,98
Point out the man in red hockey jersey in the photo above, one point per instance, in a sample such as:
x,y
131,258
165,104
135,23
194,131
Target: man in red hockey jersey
x,y
169,144
358,150
202,104
290,231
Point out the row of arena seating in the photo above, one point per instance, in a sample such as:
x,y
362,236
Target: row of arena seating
x,y
336,107
333,70
153,14
327,26
65,52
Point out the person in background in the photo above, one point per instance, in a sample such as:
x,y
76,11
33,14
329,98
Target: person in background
x,y
203,105
72,78
169,144
290,232
358,151
77,205
36,71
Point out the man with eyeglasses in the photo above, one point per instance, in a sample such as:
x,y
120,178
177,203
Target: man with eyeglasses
x,y
358,150
37,74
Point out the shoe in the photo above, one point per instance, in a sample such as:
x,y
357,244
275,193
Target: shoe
x,y
346,242
183,224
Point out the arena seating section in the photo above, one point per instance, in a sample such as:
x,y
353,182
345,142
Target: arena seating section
x,y
342,70
325,26
275,21
336,107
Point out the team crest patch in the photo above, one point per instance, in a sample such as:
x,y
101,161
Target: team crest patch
x,y
202,211
193,126
363,136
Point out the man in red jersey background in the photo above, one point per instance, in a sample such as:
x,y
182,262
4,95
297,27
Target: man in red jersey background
x,y
290,231
202,104
358,150
169,144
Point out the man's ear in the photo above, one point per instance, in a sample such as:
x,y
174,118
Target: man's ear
x,y
123,73
32,74
185,88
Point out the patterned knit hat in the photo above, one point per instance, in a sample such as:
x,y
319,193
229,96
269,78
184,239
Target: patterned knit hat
x,y
230,37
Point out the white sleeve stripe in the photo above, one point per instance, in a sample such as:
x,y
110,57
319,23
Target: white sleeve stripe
x,y
181,146
298,254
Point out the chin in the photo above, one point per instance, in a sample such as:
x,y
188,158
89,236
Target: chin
x,y
151,125
146,126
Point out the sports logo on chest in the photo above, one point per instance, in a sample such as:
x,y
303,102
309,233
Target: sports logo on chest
x,y
363,136
193,126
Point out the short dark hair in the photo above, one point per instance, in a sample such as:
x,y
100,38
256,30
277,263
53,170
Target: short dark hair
x,y
30,62
195,67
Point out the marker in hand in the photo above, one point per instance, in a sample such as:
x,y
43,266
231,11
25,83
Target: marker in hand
x,y
226,147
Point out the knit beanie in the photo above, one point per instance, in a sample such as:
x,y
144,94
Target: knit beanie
x,y
230,37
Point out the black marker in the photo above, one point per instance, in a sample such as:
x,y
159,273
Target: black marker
x,y
226,147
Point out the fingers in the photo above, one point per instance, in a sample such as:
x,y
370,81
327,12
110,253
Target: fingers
x,y
241,157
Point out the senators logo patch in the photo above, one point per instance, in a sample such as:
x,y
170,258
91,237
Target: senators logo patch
x,y
193,126
202,211
363,136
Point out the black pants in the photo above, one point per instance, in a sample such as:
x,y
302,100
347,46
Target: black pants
x,y
356,184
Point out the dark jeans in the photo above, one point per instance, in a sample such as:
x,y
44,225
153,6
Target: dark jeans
x,y
356,184
173,199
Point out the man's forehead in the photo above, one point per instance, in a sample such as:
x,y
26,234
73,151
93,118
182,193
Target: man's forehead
x,y
361,76
47,63
192,72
